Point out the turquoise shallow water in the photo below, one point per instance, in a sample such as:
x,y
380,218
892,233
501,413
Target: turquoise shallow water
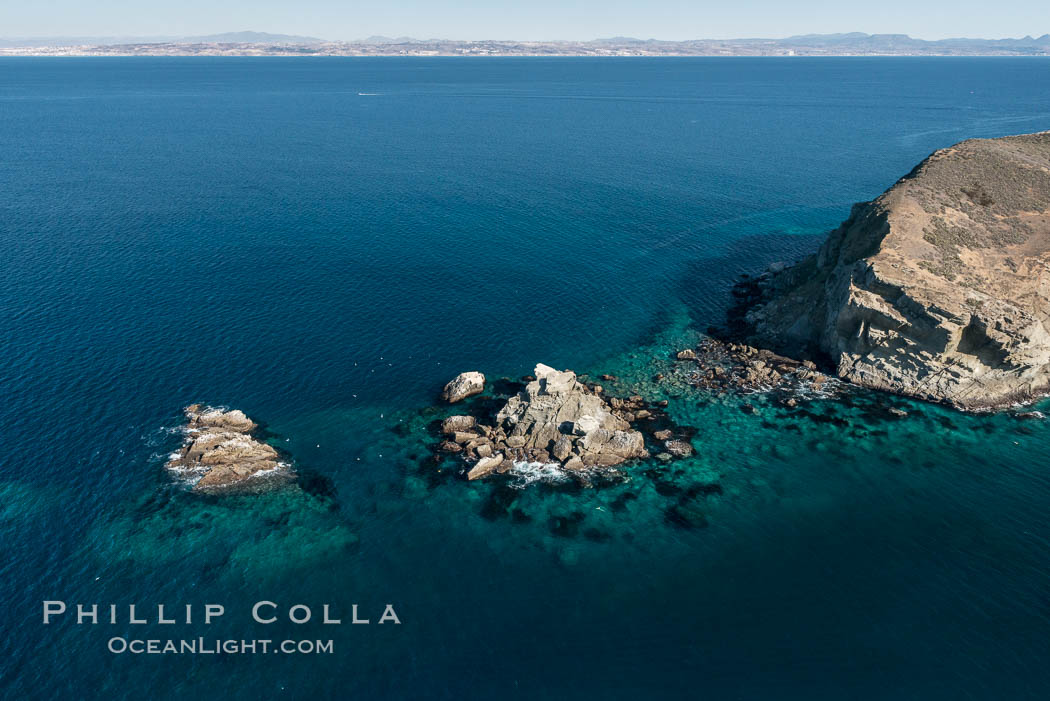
x,y
257,233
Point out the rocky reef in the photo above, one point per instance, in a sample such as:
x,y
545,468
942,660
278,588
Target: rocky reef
x,y
727,368
558,419
938,289
220,453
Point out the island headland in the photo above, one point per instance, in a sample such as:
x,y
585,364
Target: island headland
x,y
938,289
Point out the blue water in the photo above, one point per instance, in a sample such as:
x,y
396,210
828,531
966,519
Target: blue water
x,y
324,242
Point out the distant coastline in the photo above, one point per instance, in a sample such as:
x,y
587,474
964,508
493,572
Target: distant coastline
x,y
261,44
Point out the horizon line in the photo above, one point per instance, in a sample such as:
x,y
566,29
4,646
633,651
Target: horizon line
x,y
159,38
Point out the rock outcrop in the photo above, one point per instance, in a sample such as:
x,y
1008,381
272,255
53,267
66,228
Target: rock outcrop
x,y
733,368
464,385
939,289
554,419
558,413
220,453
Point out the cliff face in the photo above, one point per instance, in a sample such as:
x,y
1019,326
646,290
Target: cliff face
x,y
938,289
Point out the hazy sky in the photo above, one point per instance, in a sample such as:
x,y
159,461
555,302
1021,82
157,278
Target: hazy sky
x,y
525,19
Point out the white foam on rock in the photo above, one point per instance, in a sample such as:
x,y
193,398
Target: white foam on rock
x,y
282,467
531,472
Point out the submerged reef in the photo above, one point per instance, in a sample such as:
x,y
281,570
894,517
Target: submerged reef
x,y
937,289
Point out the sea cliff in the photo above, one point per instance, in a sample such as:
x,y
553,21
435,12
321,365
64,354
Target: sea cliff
x,y
938,289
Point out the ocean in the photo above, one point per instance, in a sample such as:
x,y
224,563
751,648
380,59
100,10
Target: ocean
x,y
324,242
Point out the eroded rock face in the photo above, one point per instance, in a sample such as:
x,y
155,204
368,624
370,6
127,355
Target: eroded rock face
x,y
219,452
464,385
938,289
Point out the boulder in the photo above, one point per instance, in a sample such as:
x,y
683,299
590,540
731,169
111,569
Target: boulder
x,y
485,466
464,436
562,448
574,463
455,424
462,386
612,447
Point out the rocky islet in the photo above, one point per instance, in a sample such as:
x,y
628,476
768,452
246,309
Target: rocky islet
x,y
220,453
556,418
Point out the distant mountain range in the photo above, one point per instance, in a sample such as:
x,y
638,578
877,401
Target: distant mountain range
x,y
901,41
262,43
852,41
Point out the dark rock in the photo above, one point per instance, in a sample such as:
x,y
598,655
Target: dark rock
x,y
686,516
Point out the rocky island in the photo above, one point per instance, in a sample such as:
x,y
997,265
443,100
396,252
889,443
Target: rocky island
x,y
220,453
558,419
939,289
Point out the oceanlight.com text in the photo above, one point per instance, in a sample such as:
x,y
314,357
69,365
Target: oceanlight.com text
x,y
204,646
